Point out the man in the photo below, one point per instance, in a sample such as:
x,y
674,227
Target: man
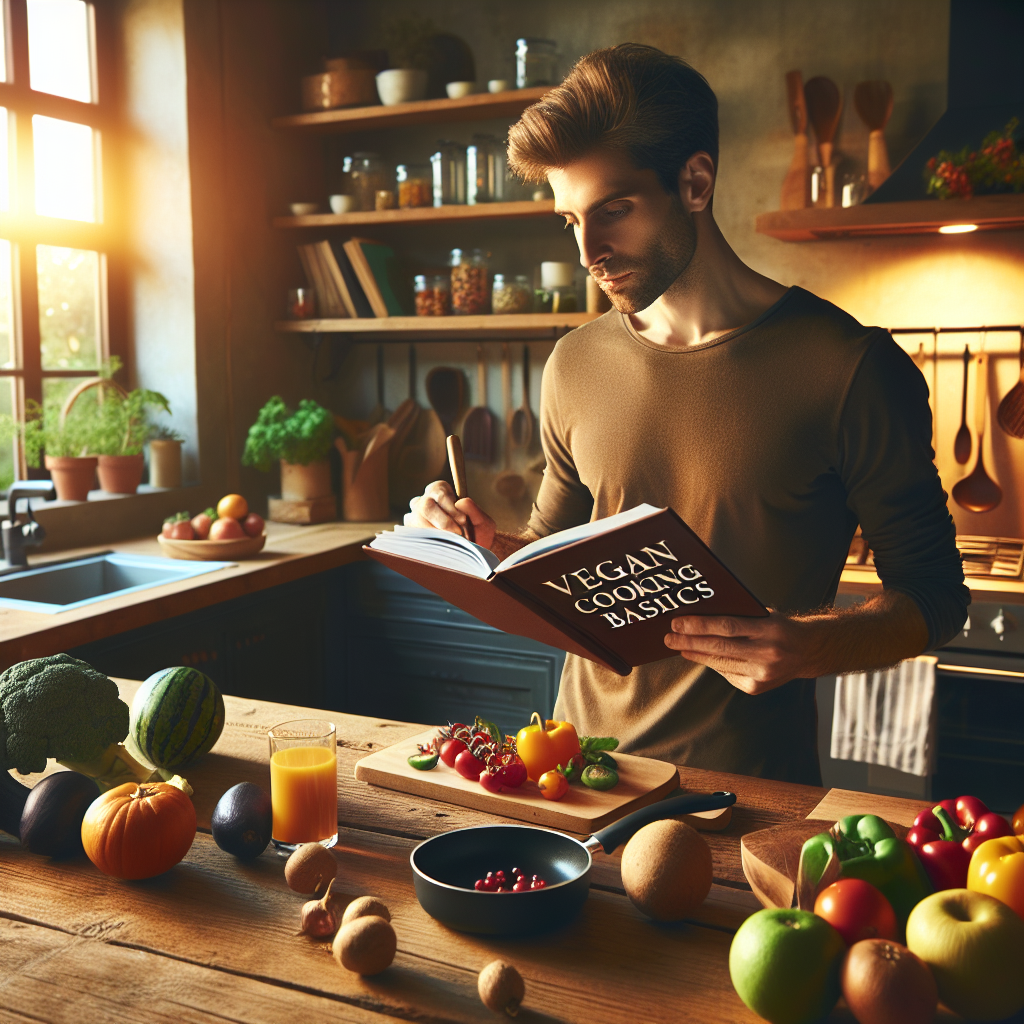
x,y
769,419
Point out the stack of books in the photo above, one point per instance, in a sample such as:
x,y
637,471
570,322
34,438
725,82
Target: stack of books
x,y
358,278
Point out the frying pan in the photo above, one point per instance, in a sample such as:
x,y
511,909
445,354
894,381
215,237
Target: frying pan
x,y
445,867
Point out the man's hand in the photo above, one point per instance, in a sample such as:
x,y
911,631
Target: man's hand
x,y
437,508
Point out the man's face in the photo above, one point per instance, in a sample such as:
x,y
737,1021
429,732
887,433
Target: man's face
x,y
634,238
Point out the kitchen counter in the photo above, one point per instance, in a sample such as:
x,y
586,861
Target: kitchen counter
x,y
214,939
291,552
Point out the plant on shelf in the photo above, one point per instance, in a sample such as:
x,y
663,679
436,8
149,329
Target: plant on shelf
x,y
408,42
997,167
300,440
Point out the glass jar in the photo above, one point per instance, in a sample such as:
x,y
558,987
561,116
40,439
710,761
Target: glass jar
x,y
433,294
368,176
511,296
536,62
486,170
557,292
301,304
469,281
415,185
448,174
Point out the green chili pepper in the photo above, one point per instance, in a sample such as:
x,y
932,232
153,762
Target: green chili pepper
x,y
423,762
596,776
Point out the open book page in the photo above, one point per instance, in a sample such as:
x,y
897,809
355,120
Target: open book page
x,y
559,540
448,550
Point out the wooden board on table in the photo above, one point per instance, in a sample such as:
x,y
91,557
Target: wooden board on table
x,y
305,511
642,780
838,803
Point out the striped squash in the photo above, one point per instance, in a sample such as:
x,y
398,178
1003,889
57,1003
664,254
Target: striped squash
x,y
177,716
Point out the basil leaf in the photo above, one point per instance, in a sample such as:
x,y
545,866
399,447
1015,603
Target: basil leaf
x,y
489,727
595,743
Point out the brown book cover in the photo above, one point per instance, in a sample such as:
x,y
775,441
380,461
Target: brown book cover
x,y
609,596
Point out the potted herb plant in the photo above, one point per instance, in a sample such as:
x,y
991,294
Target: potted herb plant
x,y
408,45
300,440
165,457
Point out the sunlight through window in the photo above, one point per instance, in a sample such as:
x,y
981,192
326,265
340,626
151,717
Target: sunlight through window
x,y
69,307
5,183
7,349
59,48
65,169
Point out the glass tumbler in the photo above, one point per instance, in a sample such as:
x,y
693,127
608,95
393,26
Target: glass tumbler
x,y
448,174
303,784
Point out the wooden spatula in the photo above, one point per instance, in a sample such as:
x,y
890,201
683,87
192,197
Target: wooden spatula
x,y
978,492
478,429
873,101
1011,409
824,108
796,186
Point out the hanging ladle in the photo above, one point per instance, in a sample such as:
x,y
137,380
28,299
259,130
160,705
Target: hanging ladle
x,y
962,443
977,492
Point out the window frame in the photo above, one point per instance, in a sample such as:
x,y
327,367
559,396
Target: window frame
x,y
25,230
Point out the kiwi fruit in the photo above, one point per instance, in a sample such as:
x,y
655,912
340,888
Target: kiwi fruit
x,y
365,906
366,945
666,870
309,869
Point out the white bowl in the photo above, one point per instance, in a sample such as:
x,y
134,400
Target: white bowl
x,y
497,85
456,90
342,204
303,209
401,85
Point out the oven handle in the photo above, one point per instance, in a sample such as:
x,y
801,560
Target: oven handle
x,y
966,670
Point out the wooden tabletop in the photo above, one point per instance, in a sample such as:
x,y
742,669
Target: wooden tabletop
x,y
216,940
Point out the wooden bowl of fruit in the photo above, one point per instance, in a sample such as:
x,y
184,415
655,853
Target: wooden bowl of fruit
x,y
228,532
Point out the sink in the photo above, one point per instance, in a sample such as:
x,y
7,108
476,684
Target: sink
x,y
68,585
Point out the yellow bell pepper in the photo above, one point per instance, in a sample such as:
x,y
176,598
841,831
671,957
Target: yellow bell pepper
x,y
542,746
997,869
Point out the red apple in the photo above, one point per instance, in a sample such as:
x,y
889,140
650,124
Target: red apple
x,y
226,529
252,524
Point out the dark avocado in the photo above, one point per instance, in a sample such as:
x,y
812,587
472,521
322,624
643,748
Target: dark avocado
x,y
242,821
51,821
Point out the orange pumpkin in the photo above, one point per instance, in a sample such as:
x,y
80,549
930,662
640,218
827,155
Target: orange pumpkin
x,y
138,831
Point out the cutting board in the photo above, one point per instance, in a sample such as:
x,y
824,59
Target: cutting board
x,y
771,856
642,780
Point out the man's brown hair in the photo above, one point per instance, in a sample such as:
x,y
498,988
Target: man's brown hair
x,y
631,98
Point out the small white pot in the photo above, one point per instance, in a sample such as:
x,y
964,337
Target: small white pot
x,y
401,85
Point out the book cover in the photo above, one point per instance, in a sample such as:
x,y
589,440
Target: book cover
x,y
609,596
345,279
378,272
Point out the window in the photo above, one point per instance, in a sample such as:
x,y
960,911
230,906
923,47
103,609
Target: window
x,y
55,243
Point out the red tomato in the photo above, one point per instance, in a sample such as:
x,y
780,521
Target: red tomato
x,y
450,750
468,765
182,531
253,525
553,785
857,910
165,530
490,782
201,524
226,529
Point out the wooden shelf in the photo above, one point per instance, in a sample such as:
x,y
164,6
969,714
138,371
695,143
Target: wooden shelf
x,y
538,326
477,107
422,215
990,213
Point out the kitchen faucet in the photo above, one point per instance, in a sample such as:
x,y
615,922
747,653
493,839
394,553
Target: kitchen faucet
x,y
19,536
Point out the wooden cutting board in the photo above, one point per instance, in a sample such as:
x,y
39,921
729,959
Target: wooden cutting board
x,y
771,856
642,780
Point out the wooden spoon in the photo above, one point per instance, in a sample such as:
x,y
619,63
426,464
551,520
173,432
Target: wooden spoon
x,y
446,389
824,107
796,186
521,427
873,101
977,492
1010,415
962,442
509,485
478,429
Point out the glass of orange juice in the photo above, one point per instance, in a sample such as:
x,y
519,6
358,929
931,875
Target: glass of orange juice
x,y
304,783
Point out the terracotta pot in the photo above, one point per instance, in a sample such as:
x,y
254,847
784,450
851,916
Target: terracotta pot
x,y
165,463
401,85
301,482
121,474
73,477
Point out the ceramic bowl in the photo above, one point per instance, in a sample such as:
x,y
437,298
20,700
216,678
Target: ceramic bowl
x,y
342,204
303,209
213,550
401,85
497,85
456,90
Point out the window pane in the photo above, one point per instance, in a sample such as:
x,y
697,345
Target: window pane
x,y
7,347
65,166
7,450
5,186
69,307
59,49
3,50
57,389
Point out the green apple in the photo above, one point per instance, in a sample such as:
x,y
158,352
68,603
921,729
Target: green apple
x,y
785,965
975,947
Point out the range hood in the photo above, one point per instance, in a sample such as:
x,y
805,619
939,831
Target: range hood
x,y
985,89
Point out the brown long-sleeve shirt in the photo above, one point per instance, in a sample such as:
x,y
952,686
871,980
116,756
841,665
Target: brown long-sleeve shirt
x,y
772,442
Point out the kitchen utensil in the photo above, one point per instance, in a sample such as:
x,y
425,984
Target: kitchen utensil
x,y
445,391
213,550
824,107
1010,415
422,453
445,867
478,428
509,485
378,414
457,465
364,475
873,101
977,492
962,442
521,425
796,186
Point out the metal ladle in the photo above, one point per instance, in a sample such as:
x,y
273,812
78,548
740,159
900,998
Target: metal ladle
x,y
978,492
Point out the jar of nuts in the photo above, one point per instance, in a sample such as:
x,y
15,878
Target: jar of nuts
x,y
415,186
433,294
470,294
511,295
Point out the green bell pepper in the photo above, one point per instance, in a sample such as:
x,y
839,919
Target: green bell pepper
x,y
868,849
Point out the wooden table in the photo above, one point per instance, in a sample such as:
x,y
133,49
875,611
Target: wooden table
x,y
216,940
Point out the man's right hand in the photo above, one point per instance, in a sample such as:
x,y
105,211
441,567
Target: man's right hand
x,y
438,508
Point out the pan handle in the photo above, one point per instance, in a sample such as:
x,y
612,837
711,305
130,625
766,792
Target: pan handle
x,y
688,803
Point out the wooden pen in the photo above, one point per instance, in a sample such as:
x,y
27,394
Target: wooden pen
x,y
457,464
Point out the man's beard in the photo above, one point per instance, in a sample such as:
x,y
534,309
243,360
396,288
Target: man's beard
x,y
655,270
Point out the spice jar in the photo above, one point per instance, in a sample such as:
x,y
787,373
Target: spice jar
x,y
301,304
415,185
448,174
536,62
511,296
486,170
433,294
557,292
469,281
368,176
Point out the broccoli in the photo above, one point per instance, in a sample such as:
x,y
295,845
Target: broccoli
x,y
62,708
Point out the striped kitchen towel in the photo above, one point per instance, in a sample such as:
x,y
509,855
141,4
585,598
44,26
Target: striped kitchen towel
x,y
886,717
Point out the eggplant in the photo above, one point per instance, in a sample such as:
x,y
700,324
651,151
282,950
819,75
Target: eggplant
x,y
12,802
242,821
51,823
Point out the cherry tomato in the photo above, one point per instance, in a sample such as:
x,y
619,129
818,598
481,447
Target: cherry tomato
x,y
469,766
490,782
450,750
857,910
553,785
